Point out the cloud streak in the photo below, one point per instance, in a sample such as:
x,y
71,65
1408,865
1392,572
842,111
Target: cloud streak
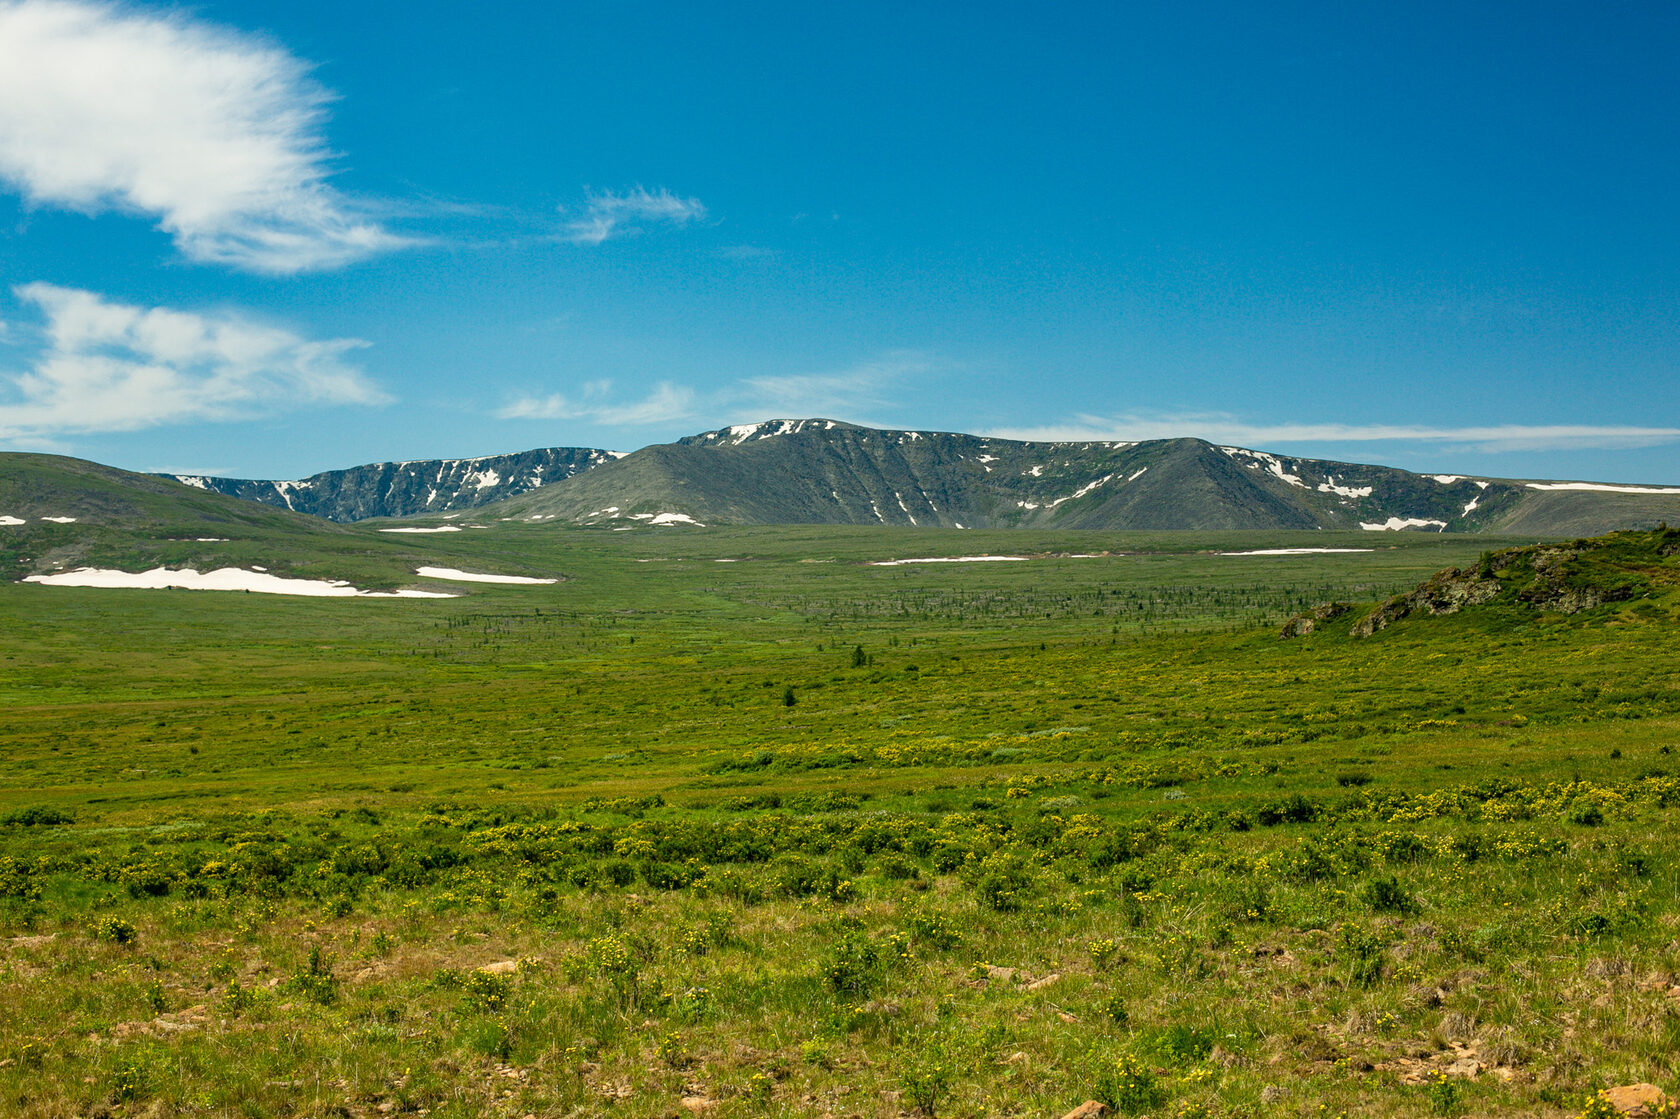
x,y
114,367
841,395
610,215
1489,438
667,403
215,134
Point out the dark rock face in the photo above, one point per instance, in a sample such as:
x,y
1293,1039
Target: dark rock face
x,y
404,489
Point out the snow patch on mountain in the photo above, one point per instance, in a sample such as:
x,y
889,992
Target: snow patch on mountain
x,y
1396,524
1270,463
1330,486
1080,492
1602,487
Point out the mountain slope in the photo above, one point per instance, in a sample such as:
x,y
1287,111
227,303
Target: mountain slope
x,y
58,514
405,489
826,472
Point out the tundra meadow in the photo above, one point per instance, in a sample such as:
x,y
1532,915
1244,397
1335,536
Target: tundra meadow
x,y
747,822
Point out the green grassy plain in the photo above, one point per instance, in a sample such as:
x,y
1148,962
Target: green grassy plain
x,y
755,827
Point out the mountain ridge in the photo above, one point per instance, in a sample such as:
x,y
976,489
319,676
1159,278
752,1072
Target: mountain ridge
x,y
824,471
409,488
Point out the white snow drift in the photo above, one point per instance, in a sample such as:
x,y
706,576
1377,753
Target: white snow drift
x,y
1396,524
1296,551
476,577
222,579
1600,487
950,559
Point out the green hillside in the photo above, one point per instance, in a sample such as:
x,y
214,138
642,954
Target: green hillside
x,y
81,514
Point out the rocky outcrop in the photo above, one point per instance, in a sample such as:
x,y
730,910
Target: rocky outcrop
x,y
1446,593
1555,578
1304,623
1637,1101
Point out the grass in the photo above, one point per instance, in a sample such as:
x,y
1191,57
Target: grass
x,y
1069,828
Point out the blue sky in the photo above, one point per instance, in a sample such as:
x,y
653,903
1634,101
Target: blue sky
x,y
265,240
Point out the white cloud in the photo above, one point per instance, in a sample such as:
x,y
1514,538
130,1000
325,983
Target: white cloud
x,y
1492,438
842,394
615,215
667,403
114,367
846,394
214,133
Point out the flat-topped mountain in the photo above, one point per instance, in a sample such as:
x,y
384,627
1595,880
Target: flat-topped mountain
x,y
406,489
820,471
826,472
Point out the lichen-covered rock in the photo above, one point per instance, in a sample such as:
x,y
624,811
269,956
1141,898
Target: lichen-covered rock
x,y
1304,623
1636,1101
1090,1109
1446,593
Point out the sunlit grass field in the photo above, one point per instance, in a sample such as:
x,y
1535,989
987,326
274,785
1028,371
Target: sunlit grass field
x,y
741,822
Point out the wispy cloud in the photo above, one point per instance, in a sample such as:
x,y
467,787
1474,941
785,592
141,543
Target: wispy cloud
x,y
841,394
748,252
852,393
667,403
214,133
609,215
109,366
1491,438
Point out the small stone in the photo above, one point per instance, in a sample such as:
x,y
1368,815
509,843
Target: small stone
x,y
1090,1109
1637,1101
995,972
1040,984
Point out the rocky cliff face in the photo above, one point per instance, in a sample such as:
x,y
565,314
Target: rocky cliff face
x,y
404,489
